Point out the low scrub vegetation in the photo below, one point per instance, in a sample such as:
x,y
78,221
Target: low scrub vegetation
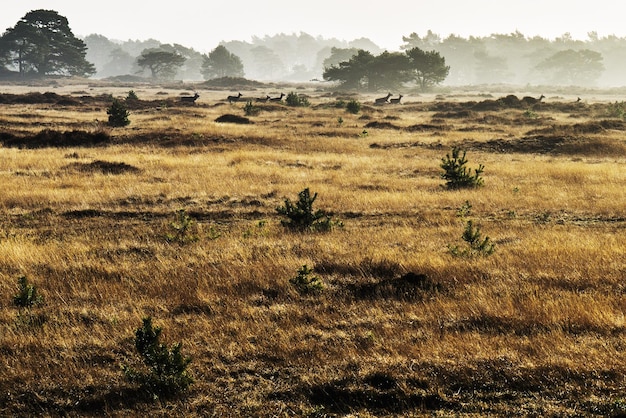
x,y
187,271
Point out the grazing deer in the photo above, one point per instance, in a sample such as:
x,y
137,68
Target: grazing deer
x,y
189,99
382,100
531,100
396,101
263,99
277,99
234,98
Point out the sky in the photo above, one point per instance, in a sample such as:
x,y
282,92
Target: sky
x,y
202,25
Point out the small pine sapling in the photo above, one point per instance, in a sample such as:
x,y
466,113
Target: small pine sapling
x,y
456,174
476,244
305,282
167,372
118,114
301,216
28,295
250,109
353,107
132,96
182,227
295,100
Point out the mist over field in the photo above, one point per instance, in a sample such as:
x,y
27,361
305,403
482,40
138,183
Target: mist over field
x,y
498,59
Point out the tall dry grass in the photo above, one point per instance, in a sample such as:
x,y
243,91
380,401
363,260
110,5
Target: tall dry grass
x,y
537,328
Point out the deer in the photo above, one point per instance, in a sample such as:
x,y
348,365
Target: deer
x,y
234,98
277,99
263,99
190,99
531,100
396,101
382,100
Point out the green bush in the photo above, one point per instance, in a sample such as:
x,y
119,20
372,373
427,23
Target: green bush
x,y
118,114
182,227
353,107
456,174
166,373
250,109
305,282
132,95
27,296
301,216
476,244
616,110
294,100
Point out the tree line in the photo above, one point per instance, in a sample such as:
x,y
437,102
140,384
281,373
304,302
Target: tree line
x,y
42,43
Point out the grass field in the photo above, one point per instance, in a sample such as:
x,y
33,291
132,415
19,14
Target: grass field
x,y
401,327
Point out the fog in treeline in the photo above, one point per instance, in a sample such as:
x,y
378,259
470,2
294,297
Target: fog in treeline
x,y
497,59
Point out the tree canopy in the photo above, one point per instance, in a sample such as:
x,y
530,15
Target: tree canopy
x,y
571,67
42,43
389,70
221,63
427,67
161,63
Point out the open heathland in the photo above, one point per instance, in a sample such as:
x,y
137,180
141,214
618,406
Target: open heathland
x,y
386,311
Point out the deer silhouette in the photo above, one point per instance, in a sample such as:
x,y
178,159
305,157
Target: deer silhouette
x,y
277,99
532,100
396,101
189,99
383,100
234,98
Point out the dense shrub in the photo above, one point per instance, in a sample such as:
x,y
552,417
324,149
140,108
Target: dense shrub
x,y
456,174
28,295
353,106
118,114
305,282
167,372
250,109
294,100
301,216
476,244
183,228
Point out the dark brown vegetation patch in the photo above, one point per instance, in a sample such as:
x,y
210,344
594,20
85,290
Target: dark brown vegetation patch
x,y
51,138
426,127
410,286
554,144
381,125
591,127
104,167
456,114
229,118
380,392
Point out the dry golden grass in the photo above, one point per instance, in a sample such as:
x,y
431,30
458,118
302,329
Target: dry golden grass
x,y
535,329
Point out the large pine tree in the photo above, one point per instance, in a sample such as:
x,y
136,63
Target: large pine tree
x,y
42,43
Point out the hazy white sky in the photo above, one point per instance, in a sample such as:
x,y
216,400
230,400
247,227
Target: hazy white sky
x,y
203,24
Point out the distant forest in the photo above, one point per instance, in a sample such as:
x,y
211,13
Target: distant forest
x,y
497,59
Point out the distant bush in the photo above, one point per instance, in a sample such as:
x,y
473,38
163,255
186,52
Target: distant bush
x,y
353,107
132,95
182,228
28,295
118,114
250,109
167,372
232,82
301,216
456,174
476,244
616,110
294,100
305,282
